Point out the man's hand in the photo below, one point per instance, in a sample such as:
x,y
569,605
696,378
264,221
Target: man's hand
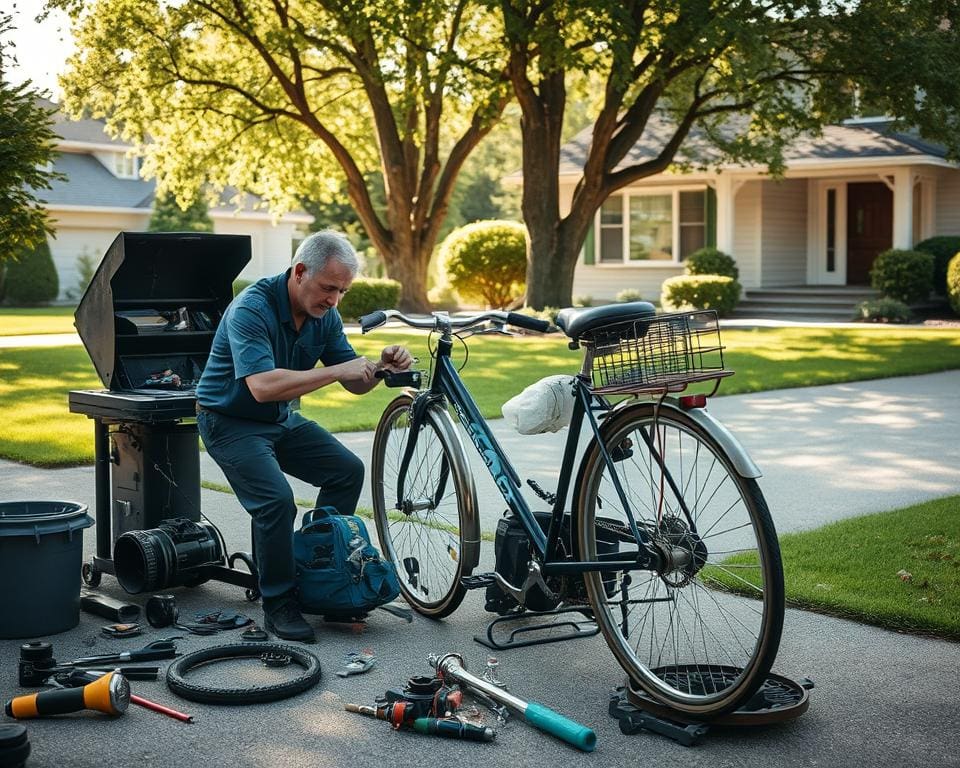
x,y
396,358
359,369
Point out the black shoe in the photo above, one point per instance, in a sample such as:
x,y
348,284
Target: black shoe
x,y
286,621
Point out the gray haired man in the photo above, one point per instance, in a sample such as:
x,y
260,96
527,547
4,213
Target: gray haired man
x,y
264,357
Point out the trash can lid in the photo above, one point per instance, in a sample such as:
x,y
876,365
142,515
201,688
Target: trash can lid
x,y
26,518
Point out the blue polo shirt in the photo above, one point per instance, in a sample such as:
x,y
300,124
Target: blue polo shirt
x,y
256,334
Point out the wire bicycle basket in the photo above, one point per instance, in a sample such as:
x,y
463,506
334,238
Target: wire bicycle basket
x,y
656,355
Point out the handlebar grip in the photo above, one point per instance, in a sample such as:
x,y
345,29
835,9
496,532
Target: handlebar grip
x,y
371,321
525,321
381,373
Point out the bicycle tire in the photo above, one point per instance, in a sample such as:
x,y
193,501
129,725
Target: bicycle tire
x,y
681,625
178,682
433,545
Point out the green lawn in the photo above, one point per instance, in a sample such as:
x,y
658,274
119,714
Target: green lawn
x,y
24,321
899,570
36,427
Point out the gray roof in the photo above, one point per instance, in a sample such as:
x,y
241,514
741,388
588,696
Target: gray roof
x,y
86,130
877,139
88,182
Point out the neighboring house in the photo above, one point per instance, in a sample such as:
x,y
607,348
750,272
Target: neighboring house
x,y
104,194
847,195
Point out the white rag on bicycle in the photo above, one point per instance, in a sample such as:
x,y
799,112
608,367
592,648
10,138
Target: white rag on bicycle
x,y
544,406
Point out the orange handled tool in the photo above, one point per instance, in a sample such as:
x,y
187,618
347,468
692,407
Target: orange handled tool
x,y
110,694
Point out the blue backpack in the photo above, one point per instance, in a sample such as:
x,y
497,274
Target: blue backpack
x,y
340,574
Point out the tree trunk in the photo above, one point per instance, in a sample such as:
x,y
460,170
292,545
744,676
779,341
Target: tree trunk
x,y
550,271
410,270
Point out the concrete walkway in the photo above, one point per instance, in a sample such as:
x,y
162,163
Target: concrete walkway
x,y
881,698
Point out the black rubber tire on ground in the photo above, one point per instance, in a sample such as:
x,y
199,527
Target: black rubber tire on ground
x,y
205,694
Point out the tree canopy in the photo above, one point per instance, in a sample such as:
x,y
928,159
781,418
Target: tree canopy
x,y
290,99
27,146
745,77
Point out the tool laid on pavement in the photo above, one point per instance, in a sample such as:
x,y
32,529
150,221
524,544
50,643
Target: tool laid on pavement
x,y
158,649
357,664
397,714
108,608
450,667
37,666
109,693
81,677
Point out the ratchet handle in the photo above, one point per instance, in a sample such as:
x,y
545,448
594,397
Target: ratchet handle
x,y
562,727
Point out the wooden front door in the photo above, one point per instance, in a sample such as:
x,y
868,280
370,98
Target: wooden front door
x,y
869,228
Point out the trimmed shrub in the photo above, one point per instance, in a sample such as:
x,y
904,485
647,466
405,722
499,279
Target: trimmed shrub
x,y
629,294
943,249
368,294
547,313
486,261
883,311
684,292
953,283
32,277
710,261
903,275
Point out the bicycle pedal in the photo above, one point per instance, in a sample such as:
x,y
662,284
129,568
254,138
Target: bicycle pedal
x,y
478,580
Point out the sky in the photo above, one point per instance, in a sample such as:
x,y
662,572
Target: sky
x,y
40,49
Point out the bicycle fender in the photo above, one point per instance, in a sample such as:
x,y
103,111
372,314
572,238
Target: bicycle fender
x,y
745,466
741,460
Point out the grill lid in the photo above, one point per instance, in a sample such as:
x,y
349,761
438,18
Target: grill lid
x,y
148,317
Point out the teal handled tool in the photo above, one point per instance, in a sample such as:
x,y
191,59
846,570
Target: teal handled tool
x,y
450,667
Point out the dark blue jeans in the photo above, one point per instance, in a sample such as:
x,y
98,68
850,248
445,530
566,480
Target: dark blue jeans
x,y
254,457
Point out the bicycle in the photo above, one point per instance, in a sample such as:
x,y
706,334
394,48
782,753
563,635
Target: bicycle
x,y
670,533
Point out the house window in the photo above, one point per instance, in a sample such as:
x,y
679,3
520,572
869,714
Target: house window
x,y
651,227
611,230
638,228
125,166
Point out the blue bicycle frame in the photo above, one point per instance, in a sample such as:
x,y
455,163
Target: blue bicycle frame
x,y
447,385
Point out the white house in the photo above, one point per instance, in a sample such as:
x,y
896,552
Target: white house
x,y
847,195
104,194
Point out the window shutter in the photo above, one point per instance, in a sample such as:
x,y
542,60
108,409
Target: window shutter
x,y
588,249
711,212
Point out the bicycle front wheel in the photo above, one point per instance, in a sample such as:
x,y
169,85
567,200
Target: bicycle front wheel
x,y
700,635
428,527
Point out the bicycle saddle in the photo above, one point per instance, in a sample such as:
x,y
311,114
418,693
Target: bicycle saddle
x,y
578,321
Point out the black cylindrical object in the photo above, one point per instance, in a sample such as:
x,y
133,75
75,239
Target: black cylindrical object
x,y
41,546
166,556
14,745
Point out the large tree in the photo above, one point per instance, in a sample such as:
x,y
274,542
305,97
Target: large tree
x,y
746,77
291,99
27,147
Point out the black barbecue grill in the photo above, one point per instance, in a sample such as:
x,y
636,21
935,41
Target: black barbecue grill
x,y
147,320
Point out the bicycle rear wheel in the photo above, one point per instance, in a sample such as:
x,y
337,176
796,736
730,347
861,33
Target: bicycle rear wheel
x,y
428,528
701,635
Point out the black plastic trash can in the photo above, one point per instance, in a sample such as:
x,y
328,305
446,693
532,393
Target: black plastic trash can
x,y
41,549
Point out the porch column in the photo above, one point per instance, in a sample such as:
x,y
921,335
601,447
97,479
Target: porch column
x,y
726,189
903,208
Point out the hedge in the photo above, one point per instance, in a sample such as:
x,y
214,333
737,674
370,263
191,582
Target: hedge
x,y
710,261
903,275
368,294
684,292
953,283
31,278
486,260
943,249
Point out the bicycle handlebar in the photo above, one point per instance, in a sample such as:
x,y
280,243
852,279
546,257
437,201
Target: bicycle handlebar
x,y
378,318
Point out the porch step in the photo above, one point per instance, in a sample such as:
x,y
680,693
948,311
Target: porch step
x,y
823,303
